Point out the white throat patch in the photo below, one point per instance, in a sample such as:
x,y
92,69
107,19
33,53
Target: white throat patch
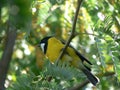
x,y
42,46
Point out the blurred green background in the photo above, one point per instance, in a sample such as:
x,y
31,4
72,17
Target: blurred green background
x,y
97,38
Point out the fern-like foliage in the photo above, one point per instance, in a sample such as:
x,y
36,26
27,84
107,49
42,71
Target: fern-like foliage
x,y
52,77
107,42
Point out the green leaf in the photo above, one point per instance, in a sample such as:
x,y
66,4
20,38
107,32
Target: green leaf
x,y
100,51
116,66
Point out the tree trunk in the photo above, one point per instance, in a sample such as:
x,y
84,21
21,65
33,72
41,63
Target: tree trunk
x,y
7,54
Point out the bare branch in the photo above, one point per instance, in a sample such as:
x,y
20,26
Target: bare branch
x,y
81,85
73,31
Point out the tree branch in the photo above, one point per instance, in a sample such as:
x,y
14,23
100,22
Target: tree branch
x,y
6,57
73,31
81,85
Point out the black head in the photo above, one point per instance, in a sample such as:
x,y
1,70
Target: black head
x,y
43,44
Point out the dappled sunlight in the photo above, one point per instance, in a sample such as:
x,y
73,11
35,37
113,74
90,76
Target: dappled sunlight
x,y
96,36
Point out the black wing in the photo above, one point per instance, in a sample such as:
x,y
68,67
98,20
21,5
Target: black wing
x,y
82,57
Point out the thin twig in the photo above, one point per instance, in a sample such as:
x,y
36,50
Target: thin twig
x,y
86,34
73,31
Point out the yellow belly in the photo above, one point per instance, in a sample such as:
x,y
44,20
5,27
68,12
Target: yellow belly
x,y
54,49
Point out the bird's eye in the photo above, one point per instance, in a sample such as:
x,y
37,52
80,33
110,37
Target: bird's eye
x,y
42,45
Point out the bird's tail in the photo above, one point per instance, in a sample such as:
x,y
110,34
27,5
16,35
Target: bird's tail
x,y
93,79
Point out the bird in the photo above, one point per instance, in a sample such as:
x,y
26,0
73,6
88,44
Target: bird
x,y
52,47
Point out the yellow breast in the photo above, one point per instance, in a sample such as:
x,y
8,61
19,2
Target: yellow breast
x,y
53,49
